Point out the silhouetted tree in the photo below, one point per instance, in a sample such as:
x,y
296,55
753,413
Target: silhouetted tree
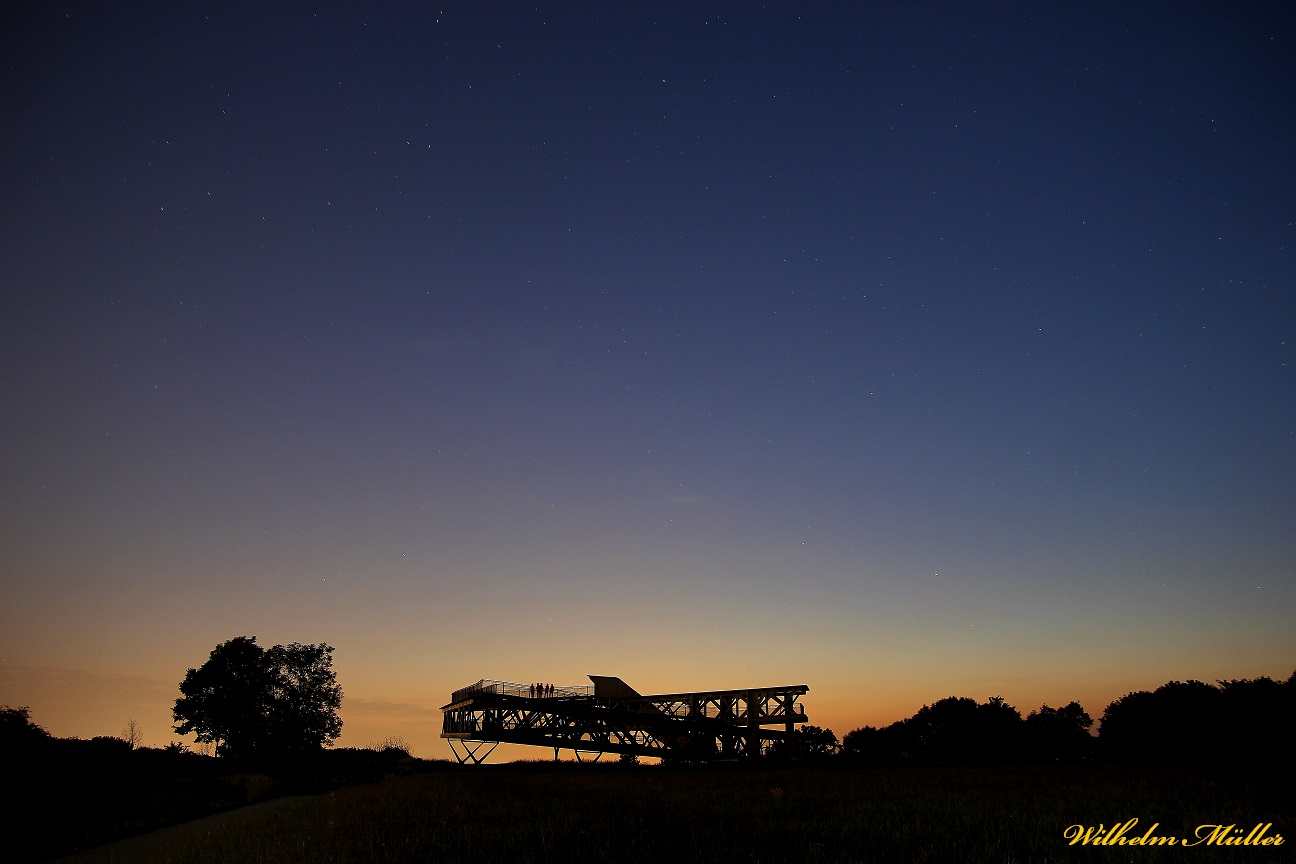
x,y
819,742
18,734
868,745
1192,720
305,697
226,701
957,730
1173,722
133,735
810,742
254,703
1257,718
944,731
950,731
1058,733
1000,728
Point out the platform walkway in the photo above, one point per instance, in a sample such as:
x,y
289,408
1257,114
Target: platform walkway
x,y
610,716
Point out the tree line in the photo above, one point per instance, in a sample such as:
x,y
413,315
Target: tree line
x,y
1242,719
267,705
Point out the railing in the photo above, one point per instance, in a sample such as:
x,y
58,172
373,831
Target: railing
x,y
773,711
529,691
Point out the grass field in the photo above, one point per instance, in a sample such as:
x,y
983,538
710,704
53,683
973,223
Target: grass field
x,y
593,813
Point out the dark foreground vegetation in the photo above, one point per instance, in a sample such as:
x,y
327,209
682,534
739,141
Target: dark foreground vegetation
x,y
957,781
546,812
69,794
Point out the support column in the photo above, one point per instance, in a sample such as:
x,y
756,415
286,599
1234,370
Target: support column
x,y
727,743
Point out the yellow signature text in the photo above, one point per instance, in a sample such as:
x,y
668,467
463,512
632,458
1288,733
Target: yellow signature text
x,y
1126,834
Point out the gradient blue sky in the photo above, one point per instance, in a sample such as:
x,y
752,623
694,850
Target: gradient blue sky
x,y
904,351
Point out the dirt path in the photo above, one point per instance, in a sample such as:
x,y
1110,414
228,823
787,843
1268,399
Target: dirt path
x,y
132,848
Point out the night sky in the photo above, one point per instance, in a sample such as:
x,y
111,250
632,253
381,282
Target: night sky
x,y
904,351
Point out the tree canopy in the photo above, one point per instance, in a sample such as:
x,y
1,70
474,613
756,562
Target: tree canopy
x,y
17,729
1240,719
962,731
257,703
1244,719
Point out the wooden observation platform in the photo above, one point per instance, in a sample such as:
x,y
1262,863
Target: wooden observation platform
x,y
610,717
